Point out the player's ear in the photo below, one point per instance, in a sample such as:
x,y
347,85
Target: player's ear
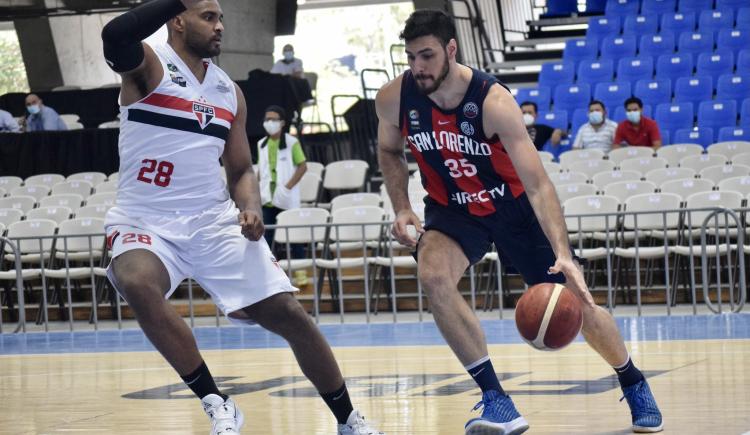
x,y
452,49
177,23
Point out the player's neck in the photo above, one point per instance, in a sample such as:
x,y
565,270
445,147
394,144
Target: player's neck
x,y
454,87
193,61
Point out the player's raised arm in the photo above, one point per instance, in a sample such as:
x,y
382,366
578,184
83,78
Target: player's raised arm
x,y
125,52
241,180
392,161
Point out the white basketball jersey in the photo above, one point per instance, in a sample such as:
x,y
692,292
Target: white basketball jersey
x,y
171,141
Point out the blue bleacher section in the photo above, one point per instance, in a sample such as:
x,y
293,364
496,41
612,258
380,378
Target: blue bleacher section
x,y
542,96
678,22
745,113
660,7
701,136
657,44
596,71
694,5
674,116
555,73
612,94
632,69
733,39
654,92
555,119
742,21
693,89
577,50
618,46
569,97
717,114
733,133
673,66
695,43
715,20
604,26
733,87
622,7
639,24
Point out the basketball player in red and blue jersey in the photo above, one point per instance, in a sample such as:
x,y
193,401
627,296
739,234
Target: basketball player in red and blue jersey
x,y
176,218
485,184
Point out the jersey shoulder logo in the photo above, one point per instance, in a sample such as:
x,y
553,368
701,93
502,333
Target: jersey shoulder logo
x,y
471,110
204,113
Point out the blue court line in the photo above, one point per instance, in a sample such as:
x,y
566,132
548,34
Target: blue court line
x,y
651,328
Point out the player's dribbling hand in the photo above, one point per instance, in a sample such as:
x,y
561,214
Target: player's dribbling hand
x,y
573,279
252,225
399,230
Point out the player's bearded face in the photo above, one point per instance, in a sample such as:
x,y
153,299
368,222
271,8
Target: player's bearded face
x,y
203,35
429,83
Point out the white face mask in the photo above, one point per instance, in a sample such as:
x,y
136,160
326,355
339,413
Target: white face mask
x,y
596,117
288,55
33,109
272,127
634,116
528,119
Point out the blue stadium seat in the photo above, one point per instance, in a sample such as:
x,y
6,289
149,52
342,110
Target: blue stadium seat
x,y
743,62
620,112
555,119
674,116
733,87
674,66
695,5
695,43
541,96
561,8
580,117
742,20
622,7
678,22
733,133
640,24
657,45
618,46
571,97
733,39
693,89
715,20
658,7
555,73
654,92
603,26
577,50
745,113
715,64
592,72
595,6
632,69
718,113
612,94
664,137
702,136
730,4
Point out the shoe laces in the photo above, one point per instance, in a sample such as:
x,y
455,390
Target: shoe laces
x,y
638,400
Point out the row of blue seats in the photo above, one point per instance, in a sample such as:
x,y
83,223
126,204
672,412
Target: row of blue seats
x,y
633,7
654,45
675,22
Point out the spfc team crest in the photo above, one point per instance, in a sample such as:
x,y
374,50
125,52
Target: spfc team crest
x,y
204,113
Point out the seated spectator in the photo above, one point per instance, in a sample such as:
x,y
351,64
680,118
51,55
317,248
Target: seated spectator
x,y
41,117
637,130
599,132
8,123
289,65
539,133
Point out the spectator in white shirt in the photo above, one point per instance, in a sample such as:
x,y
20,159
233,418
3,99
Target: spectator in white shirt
x,y
289,65
8,123
599,132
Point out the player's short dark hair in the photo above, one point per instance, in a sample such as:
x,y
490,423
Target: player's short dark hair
x,y
597,102
277,110
530,103
635,100
429,22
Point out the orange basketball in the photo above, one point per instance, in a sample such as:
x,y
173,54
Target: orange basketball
x,y
548,316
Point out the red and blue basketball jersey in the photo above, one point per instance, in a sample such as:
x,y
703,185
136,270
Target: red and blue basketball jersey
x,y
460,167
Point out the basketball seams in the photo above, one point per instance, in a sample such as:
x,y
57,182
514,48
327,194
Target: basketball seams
x,y
539,340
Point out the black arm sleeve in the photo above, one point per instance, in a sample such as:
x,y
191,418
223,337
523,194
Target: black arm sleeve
x,y
122,36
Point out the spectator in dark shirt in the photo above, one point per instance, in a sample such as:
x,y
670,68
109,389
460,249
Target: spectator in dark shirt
x,y
539,133
637,130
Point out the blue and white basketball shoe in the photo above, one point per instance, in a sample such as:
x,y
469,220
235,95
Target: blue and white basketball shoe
x,y
499,417
643,409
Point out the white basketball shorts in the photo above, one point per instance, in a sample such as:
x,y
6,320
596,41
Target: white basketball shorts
x,y
207,247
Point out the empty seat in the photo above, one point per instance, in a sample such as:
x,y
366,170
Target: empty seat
x,y
717,114
556,73
718,173
658,7
678,22
737,184
345,174
10,215
542,96
79,187
104,198
742,20
44,180
93,211
355,200
35,191
734,133
573,190
622,7
106,186
715,64
618,46
577,50
655,45
643,164
659,176
23,203
654,92
309,188
695,5
555,119
745,113
686,186
674,66
640,24
592,72
8,182
623,190
580,117
729,149
92,177
621,154
569,157
561,178
672,117
600,27
693,89
613,95
695,43
703,136
312,168
603,179
632,69
743,62
57,214
733,87
733,39
591,167
675,153
72,201
702,161
715,20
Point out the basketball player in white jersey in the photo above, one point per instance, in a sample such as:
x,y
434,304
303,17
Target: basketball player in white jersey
x,y
176,219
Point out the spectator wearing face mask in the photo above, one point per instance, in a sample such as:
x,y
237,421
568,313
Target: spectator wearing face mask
x,y
637,130
599,132
41,117
281,165
539,133
289,65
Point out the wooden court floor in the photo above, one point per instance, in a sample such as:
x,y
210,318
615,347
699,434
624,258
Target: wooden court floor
x,y
400,376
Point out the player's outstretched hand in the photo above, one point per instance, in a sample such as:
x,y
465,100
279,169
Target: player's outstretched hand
x,y
252,225
573,279
404,219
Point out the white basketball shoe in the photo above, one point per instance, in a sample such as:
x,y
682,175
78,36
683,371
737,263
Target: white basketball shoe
x,y
355,425
226,418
